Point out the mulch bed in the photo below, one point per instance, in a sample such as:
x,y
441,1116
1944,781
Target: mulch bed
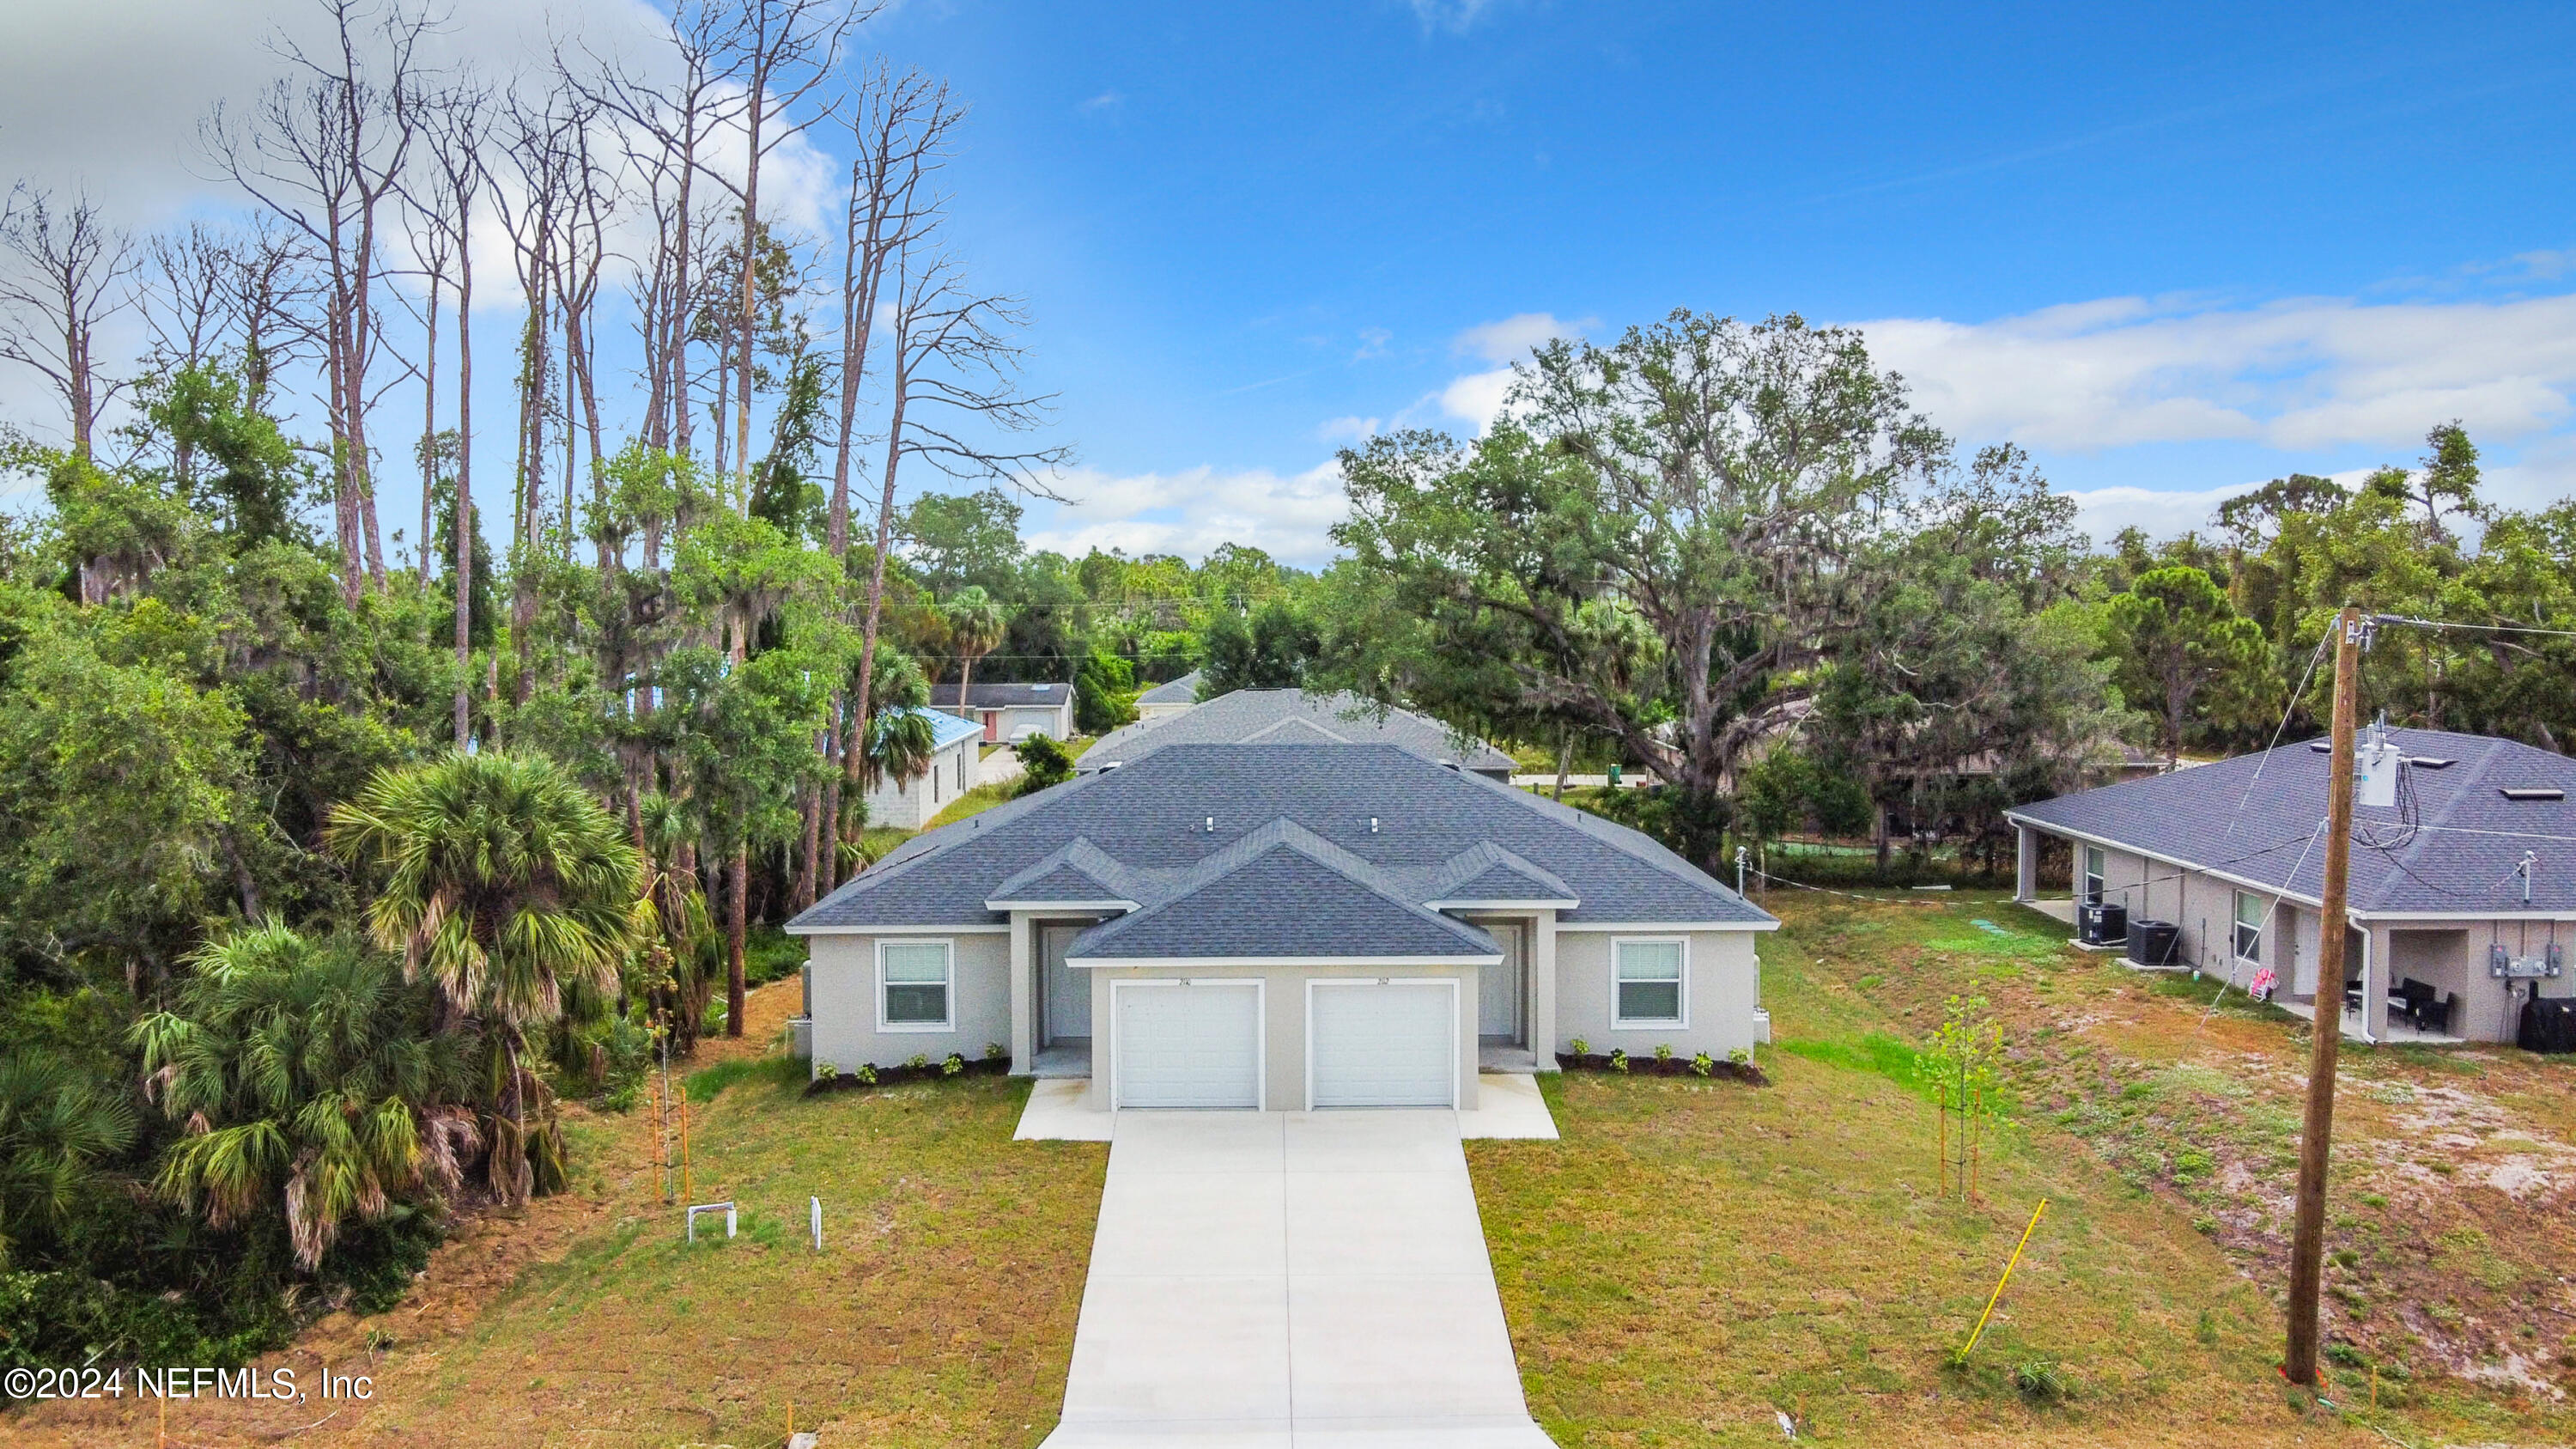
x,y
1679,1066
848,1081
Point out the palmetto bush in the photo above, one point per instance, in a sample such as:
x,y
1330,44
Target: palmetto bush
x,y
308,1078
504,883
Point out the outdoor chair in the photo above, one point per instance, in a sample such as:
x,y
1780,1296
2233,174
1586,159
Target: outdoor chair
x,y
2436,1016
2419,998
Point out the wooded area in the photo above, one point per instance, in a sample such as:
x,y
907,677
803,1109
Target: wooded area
x,y
334,849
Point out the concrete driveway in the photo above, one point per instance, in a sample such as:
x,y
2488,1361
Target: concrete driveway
x,y
1262,1280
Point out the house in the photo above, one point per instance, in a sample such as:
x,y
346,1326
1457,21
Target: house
x,y
1165,700
2460,900
1280,926
1291,716
954,761
1010,713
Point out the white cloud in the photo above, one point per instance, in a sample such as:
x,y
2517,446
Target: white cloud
x,y
1348,430
2303,374
1194,510
1373,341
1105,101
1477,398
1513,337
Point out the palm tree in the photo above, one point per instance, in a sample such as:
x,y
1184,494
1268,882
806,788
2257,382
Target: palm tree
x,y
975,626
306,1073
502,880
686,953
58,1129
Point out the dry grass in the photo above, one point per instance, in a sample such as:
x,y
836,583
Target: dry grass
x,y
941,1313
1693,1260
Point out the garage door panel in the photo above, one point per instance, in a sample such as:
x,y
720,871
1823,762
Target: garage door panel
x,y
1189,1046
1384,1045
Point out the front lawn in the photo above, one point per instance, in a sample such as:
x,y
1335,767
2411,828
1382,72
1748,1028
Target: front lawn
x,y
1694,1259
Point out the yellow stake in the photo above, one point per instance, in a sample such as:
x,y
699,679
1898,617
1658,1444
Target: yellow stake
x,y
2006,1278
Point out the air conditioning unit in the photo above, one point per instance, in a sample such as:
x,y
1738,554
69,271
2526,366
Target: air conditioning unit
x,y
2101,924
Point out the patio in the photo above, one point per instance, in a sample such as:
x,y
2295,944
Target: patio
x,y
2399,1033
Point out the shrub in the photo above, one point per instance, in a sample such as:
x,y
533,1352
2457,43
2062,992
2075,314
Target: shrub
x,y
825,1071
2040,1380
1581,1047
867,1074
1618,1059
1663,1051
920,1062
952,1065
1047,763
1704,1064
1740,1056
994,1051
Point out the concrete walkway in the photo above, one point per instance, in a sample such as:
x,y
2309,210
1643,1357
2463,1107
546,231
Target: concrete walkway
x,y
1290,1280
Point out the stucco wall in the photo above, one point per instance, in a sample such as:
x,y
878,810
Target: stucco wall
x,y
1283,1010
1725,981
844,1001
911,804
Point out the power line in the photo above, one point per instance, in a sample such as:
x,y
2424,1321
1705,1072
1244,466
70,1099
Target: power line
x,y
2455,624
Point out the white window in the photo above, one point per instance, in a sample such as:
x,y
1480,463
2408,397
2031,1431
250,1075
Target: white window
x,y
2249,926
915,983
2092,875
1650,982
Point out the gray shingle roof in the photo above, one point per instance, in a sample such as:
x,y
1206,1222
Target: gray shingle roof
x,y
1141,833
2450,846
1003,696
1282,891
1183,690
1291,716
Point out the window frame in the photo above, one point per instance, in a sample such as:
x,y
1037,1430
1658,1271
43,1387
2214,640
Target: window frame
x,y
2094,879
947,985
2238,927
1681,1020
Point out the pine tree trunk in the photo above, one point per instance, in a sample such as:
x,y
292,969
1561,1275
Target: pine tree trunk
x,y
737,935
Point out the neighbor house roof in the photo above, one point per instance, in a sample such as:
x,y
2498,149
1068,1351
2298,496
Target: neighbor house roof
x,y
1292,716
947,729
1224,851
2449,847
1003,696
1184,690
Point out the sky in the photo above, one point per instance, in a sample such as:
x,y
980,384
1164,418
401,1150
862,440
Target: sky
x,y
2173,251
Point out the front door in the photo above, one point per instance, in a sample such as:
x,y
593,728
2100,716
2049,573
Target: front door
x,y
1498,988
1068,991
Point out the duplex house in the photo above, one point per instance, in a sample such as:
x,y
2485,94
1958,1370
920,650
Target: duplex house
x,y
1010,713
1281,926
954,764
1292,716
2460,903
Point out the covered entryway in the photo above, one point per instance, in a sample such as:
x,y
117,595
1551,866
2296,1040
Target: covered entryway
x,y
1382,1043
1501,986
1188,1043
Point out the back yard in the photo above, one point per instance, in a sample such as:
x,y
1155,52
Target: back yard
x,y
1695,1260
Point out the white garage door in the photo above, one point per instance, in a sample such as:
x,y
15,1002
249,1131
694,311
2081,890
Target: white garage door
x,y
1189,1044
1391,1045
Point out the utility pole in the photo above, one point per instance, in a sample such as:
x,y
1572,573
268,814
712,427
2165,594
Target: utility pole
x,y
2307,1245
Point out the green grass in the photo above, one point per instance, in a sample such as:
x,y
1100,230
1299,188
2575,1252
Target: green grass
x,y
1693,1259
941,1311
973,802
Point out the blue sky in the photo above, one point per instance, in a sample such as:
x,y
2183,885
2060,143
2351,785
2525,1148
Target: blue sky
x,y
2173,251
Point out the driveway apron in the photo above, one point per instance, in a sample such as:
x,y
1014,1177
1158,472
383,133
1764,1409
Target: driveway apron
x,y
1291,1279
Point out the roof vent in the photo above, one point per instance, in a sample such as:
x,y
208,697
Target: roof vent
x,y
1211,825
1372,825
1111,764
2534,793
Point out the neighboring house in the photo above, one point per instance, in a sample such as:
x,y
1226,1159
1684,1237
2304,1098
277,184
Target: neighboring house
x,y
2470,874
1280,927
1010,713
1291,716
954,770
1165,700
